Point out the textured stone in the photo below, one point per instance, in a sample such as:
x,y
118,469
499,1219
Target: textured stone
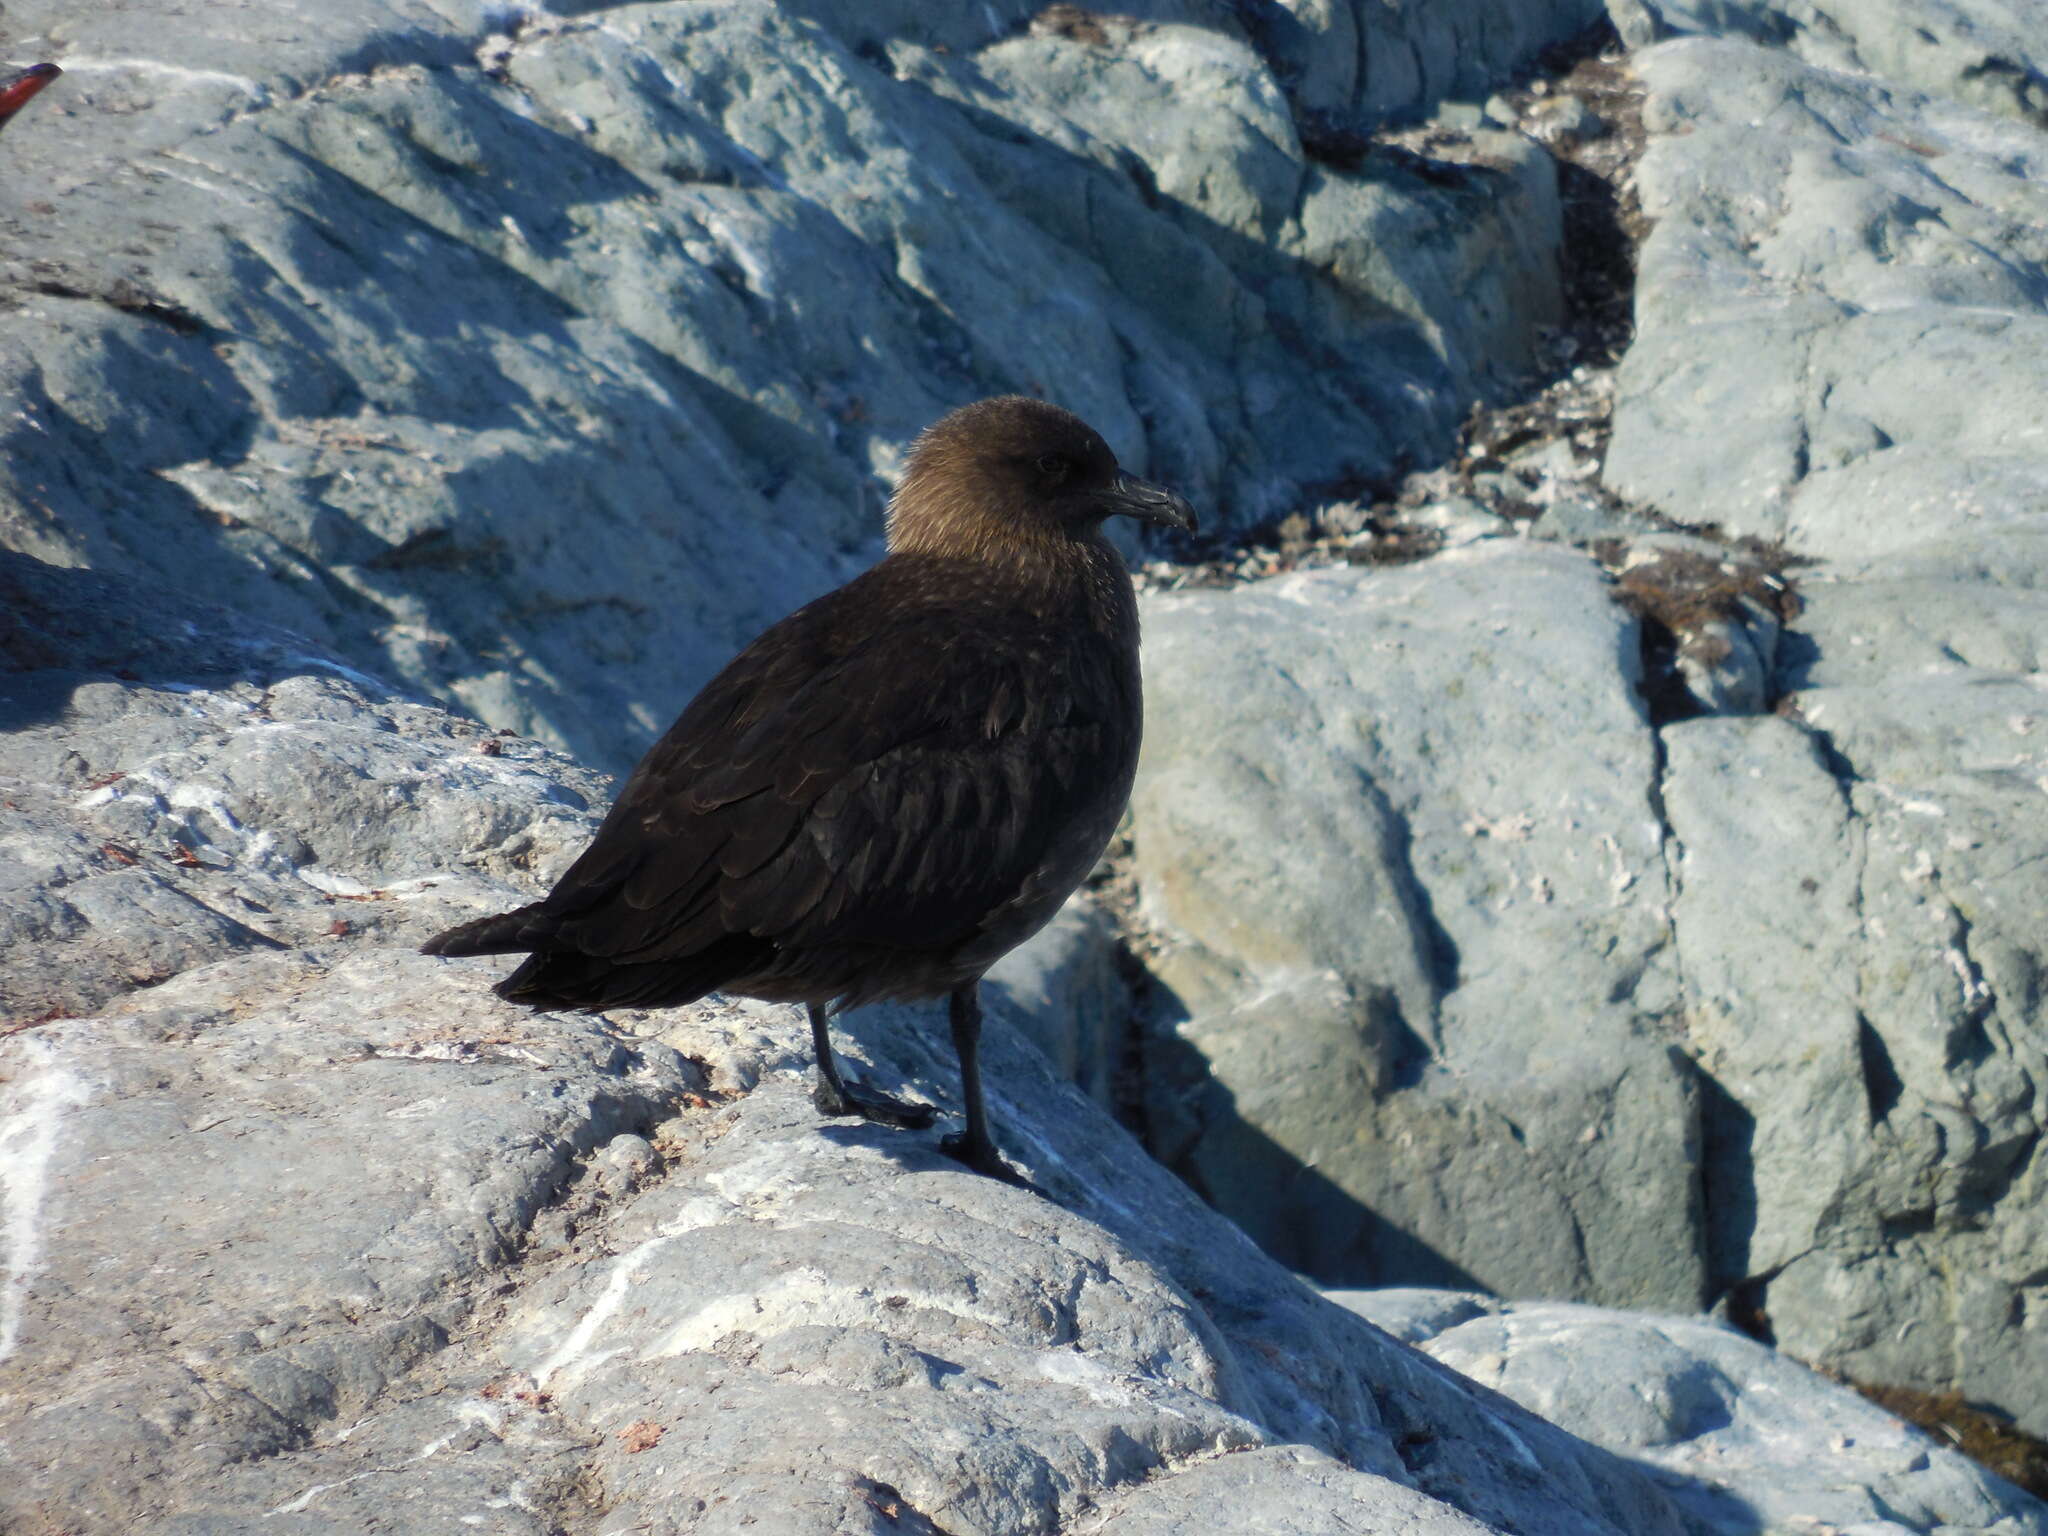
x,y
533,369
1349,61
1066,989
1837,348
1749,1440
177,785
1840,335
538,369
1789,1052
318,1235
1395,837
779,1323
1282,1491
1991,54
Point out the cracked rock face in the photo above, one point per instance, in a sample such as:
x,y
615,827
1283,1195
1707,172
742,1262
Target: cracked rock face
x,y
1791,1053
1397,837
1874,267
180,789
1748,1439
317,1235
322,1237
1988,54
1877,1052
347,319
536,369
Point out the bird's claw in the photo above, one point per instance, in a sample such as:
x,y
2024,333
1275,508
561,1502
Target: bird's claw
x,y
985,1160
878,1107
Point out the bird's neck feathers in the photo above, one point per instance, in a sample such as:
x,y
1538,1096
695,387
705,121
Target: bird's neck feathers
x,y
1017,562
951,518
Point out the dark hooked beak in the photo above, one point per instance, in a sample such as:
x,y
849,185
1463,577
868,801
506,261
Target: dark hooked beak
x,y
1128,496
17,88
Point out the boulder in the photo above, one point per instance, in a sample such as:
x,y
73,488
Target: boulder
x,y
1839,335
316,1234
1871,1054
1747,1439
536,362
183,785
1397,839
1343,62
1791,1052
1989,54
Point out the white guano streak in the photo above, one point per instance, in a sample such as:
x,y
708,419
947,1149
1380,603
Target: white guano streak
x,y
28,1144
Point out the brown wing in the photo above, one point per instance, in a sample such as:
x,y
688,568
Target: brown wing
x,y
896,792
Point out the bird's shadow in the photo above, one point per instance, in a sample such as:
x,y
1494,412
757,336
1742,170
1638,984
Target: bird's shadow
x,y
1312,1225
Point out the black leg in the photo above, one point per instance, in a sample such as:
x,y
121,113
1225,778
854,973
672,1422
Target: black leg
x,y
835,1096
976,1148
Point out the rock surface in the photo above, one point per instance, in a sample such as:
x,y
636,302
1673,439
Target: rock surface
x,y
1877,1056
1841,311
1387,822
1749,1439
1682,952
181,787
538,369
318,1235
419,1258
1989,54
1790,1056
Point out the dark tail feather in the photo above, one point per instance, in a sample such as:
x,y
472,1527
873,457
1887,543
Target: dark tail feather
x,y
509,933
563,979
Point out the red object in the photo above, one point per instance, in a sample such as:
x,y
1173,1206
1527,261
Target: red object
x,y
19,87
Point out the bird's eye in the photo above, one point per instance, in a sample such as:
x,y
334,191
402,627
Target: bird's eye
x,y
1053,466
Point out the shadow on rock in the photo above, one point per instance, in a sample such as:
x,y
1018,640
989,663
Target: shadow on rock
x,y
61,629
1302,1218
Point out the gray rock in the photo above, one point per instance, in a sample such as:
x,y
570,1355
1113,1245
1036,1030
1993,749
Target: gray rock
x,y
321,1169
1583,517
1282,1491
1065,986
1721,612
177,786
1840,329
538,369
1564,120
1730,664
1988,53
1754,1019
1837,347
1934,616
1364,62
788,1325
534,370
1875,1058
1456,520
1412,1313
1396,840
420,1258
1751,1440
414,1257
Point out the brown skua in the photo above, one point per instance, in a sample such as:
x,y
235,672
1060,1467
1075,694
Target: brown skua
x,y
892,787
